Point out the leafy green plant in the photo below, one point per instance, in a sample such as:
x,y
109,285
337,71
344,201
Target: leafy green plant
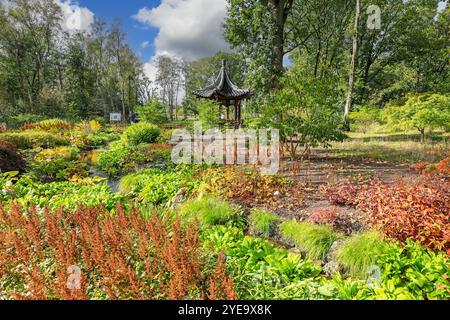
x,y
121,158
27,191
359,252
420,111
414,271
33,139
210,211
315,240
58,164
141,133
153,112
155,186
264,223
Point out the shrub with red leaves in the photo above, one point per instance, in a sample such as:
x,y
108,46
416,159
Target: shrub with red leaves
x,y
429,169
120,257
10,159
324,215
402,211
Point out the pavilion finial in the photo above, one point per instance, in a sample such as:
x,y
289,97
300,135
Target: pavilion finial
x,y
224,63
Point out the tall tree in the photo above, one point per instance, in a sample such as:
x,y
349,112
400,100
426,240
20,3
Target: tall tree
x,y
353,66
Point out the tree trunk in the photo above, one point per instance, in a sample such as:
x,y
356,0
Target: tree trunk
x,y
351,86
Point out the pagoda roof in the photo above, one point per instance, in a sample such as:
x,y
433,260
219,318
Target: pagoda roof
x,y
223,88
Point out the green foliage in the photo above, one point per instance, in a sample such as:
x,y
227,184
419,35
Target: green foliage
x,y
34,139
121,158
259,268
209,114
153,112
210,211
365,118
16,121
315,240
359,252
27,191
155,186
306,109
413,272
58,164
264,223
421,112
141,132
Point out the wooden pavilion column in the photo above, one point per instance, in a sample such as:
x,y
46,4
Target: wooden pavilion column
x,y
236,113
227,104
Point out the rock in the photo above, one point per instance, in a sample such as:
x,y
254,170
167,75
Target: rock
x,y
331,268
179,199
334,250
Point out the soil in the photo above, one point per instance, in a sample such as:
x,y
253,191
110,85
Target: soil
x,y
324,167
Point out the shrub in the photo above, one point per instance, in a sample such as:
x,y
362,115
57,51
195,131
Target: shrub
x,y
417,210
51,125
209,211
10,159
264,223
324,215
121,158
34,139
121,257
153,112
155,187
365,118
141,133
315,240
359,252
58,164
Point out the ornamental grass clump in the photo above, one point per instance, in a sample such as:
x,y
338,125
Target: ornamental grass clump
x,y
359,252
314,240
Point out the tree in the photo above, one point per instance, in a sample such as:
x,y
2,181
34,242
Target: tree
x,y
258,30
169,79
306,110
420,111
353,65
153,112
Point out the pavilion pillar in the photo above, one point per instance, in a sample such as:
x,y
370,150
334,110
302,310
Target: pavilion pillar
x,y
236,113
227,104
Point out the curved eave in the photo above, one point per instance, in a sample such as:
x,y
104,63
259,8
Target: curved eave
x,y
218,95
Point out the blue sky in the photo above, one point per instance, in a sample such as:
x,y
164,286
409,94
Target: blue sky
x,y
189,29
124,10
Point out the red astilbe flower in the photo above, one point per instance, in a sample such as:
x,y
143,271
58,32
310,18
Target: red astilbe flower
x,y
121,256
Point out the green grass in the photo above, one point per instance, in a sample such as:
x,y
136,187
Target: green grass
x,y
264,222
315,240
210,211
394,147
359,252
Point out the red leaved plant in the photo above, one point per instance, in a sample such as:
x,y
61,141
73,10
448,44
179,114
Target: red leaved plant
x,y
119,257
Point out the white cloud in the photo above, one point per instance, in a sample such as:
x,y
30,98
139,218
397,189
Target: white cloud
x,y
75,18
145,44
188,29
